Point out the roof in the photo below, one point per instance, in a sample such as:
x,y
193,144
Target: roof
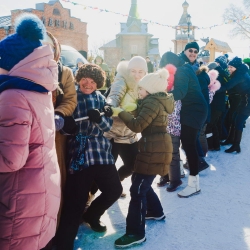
x,y
5,21
111,44
218,45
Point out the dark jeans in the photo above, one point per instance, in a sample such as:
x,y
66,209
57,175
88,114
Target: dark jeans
x,y
143,198
239,121
212,127
189,140
128,154
76,195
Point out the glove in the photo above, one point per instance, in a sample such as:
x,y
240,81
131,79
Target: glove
x,y
107,111
69,127
94,115
116,111
130,107
59,122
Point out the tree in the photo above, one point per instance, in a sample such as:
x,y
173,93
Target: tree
x,y
234,15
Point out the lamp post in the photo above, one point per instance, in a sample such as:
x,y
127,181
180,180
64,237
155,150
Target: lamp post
x,y
188,23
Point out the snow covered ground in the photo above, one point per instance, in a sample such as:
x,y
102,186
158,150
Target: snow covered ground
x,y
216,219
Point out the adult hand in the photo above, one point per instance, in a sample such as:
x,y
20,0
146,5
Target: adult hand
x,y
94,115
59,122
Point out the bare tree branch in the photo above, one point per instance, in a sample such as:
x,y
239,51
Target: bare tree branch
x,y
234,15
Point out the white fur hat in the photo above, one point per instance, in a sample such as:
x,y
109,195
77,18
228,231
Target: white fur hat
x,y
138,62
155,82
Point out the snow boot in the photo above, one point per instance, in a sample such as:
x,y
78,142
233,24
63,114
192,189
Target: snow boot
x,y
236,144
163,181
128,240
192,188
230,138
202,164
173,185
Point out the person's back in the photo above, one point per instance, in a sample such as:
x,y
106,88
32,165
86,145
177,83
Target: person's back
x,y
30,177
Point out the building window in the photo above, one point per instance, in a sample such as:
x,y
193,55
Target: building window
x,y
57,23
50,23
64,24
134,49
71,26
56,12
43,20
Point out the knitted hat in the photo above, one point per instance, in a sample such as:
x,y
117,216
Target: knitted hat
x,y
14,48
155,82
247,61
138,62
212,65
222,60
235,62
192,45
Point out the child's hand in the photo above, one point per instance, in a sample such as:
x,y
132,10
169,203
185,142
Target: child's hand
x,y
94,115
130,107
107,111
116,111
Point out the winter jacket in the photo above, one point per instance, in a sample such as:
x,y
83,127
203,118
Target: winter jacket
x,y
155,145
240,84
29,172
188,90
204,81
123,91
218,102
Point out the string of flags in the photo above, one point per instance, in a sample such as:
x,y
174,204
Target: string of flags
x,y
150,21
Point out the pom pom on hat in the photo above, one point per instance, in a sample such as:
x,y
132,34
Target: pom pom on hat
x,y
14,48
155,82
138,62
235,62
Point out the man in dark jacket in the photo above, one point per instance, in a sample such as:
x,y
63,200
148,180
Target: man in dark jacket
x,y
189,55
150,65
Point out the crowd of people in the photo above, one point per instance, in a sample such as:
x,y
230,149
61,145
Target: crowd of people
x,y
60,136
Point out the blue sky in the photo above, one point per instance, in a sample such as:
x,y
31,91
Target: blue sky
x,y
102,26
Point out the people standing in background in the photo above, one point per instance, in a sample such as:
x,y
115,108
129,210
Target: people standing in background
x,y
29,172
150,65
99,61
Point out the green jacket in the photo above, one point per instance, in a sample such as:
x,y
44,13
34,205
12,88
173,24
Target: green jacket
x,y
155,146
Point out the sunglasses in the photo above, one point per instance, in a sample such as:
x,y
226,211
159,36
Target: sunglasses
x,y
191,51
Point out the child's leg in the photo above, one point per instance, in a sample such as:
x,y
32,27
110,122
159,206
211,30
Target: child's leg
x,y
138,204
128,153
76,194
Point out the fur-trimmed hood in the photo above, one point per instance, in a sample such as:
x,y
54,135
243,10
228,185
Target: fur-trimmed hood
x,y
201,69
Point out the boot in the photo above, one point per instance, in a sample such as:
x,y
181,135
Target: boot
x,y
202,164
230,137
163,181
173,185
192,188
236,144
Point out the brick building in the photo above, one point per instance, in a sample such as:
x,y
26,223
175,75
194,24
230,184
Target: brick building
x,y
132,40
58,20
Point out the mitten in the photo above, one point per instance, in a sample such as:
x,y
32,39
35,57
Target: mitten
x,y
94,115
130,107
69,127
107,111
59,122
116,111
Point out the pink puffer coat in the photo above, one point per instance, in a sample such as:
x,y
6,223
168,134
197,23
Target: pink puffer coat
x,y
29,172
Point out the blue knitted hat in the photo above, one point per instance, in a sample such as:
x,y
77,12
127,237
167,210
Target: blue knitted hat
x,y
14,48
235,62
222,60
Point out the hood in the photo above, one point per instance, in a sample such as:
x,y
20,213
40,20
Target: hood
x,y
171,58
123,74
242,69
202,69
39,67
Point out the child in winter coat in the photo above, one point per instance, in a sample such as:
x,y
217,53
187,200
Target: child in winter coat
x,y
174,129
89,160
154,157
